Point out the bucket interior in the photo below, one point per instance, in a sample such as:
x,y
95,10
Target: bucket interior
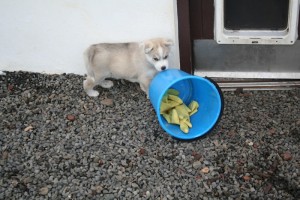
x,y
208,97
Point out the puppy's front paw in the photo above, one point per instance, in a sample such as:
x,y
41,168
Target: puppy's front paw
x,y
92,93
107,84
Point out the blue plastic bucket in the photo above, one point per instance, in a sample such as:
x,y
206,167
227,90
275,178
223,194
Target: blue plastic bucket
x,y
202,90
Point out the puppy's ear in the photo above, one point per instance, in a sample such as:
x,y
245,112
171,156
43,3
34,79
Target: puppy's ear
x,y
148,47
168,42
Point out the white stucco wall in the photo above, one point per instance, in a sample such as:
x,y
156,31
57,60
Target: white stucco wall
x,y
49,36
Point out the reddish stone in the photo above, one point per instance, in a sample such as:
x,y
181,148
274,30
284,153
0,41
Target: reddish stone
x,y
10,87
246,178
142,151
70,117
287,156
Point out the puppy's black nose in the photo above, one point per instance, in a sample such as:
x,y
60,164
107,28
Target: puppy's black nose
x,y
163,68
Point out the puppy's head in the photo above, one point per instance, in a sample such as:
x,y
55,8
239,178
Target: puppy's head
x,y
157,52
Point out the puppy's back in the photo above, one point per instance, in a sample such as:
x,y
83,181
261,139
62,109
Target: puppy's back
x,y
114,56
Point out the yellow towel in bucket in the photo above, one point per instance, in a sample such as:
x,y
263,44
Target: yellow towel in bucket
x,y
175,111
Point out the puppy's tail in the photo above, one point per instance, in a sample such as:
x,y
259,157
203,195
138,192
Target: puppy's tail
x,y
88,59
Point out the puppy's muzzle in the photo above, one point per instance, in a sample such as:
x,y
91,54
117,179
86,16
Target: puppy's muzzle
x,y
163,68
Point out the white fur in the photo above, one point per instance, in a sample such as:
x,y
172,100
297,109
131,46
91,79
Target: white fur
x,y
136,62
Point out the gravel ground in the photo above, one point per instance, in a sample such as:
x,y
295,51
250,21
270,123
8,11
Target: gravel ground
x,y
58,143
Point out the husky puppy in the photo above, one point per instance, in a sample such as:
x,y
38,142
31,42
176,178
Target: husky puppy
x,y
136,62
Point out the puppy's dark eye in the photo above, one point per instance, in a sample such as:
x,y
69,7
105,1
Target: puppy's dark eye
x,y
166,57
156,59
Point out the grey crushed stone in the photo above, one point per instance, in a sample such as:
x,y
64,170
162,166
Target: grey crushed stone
x,y
120,151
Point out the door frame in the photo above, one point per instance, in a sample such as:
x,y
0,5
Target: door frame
x,y
184,36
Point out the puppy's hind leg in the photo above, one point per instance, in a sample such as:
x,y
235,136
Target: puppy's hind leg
x,y
90,83
106,83
88,86
100,80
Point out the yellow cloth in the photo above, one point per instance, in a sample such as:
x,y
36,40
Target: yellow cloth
x,y
175,111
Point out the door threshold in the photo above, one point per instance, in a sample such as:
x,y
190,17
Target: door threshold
x,y
231,81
